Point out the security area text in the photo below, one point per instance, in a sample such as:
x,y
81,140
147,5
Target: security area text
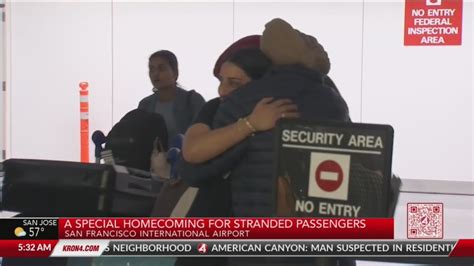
x,y
328,138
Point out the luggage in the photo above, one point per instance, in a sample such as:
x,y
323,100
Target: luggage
x,y
59,188
174,200
176,197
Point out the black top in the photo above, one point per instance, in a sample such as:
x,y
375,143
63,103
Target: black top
x,y
212,199
208,110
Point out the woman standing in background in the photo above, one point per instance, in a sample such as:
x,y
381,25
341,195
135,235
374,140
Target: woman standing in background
x,y
177,106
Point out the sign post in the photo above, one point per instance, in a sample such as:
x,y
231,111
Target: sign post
x,y
84,131
335,169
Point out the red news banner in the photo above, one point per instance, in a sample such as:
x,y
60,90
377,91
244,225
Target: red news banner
x,y
225,228
89,237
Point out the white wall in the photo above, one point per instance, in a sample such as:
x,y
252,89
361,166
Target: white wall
x,y
54,46
425,93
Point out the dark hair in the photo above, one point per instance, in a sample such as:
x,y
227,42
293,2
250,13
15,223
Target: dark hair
x,y
252,61
168,56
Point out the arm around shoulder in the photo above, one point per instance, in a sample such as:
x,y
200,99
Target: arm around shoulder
x,y
199,174
192,141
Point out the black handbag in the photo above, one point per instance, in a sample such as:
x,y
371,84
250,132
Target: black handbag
x,y
60,188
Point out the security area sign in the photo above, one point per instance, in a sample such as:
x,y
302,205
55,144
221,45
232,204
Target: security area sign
x,y
335,169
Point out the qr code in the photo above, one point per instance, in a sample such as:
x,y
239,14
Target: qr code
x,y
425,220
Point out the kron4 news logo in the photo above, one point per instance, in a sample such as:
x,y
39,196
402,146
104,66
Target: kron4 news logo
x,y
202,248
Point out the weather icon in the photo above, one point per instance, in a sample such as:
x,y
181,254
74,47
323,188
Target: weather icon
x,y
19,232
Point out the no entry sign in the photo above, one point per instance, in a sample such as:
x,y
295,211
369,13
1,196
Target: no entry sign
x,y
433,22
329,175
334,169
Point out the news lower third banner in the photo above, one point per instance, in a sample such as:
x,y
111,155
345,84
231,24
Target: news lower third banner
x,y
181,237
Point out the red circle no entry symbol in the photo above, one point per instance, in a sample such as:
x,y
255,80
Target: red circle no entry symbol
x,y
329,175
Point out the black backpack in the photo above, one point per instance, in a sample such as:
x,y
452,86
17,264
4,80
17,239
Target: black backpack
x,y
131,139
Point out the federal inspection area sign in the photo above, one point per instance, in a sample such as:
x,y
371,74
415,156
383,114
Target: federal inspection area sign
x,y
433,22
335,169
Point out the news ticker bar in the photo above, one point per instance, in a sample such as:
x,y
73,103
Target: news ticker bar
x,y
196,228
236,248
